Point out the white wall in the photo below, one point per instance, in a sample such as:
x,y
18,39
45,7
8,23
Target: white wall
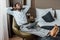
x,y
3,21
7,3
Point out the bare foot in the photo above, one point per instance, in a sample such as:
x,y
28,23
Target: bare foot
x,y
54,31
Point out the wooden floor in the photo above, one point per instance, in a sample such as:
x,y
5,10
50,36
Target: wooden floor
x,y
15,38
19,38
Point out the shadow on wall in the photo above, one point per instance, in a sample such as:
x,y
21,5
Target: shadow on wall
x,y
47,3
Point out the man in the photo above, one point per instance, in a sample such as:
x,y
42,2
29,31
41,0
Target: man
x,y
20,17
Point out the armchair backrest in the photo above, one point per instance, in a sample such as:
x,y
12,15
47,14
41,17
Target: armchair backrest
x,y
14,24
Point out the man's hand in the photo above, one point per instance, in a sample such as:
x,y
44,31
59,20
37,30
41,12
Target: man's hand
x,y
14,8
54,31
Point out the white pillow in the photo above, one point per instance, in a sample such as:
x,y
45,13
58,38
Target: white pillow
x,y
42,12
58,14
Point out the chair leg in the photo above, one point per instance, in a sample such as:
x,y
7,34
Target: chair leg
x,y
23,38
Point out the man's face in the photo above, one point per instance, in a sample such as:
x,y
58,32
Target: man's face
x,y
18,6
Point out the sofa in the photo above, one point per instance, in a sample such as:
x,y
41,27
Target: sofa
x,y
47,18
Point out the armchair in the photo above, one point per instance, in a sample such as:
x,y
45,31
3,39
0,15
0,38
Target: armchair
x,y
24,35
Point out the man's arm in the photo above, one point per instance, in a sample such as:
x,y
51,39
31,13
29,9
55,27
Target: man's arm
x,y
9,11
26,8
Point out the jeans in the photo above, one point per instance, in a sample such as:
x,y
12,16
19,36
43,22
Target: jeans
x,y
46,38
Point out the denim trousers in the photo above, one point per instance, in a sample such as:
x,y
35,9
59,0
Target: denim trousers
x,y
46,38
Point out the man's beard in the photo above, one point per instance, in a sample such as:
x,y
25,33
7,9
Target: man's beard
x,y
18,9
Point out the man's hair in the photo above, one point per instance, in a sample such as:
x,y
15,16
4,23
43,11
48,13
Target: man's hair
x,y
18,4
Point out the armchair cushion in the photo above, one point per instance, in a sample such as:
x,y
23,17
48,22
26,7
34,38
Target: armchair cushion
x,y
16,30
